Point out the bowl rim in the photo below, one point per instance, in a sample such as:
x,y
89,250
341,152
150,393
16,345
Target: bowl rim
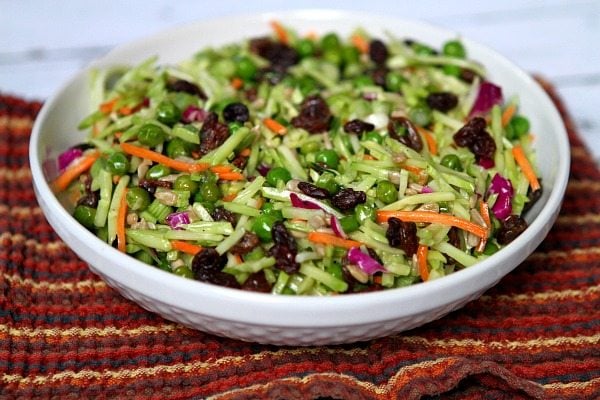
x,y
311,304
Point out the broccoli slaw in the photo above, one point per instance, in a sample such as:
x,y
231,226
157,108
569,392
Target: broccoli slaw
x,y
304,165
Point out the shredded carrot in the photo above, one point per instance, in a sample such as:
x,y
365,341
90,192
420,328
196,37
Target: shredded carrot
x,y
219,169
231,176
237,83
422,252
508,113
377,279
414,170
526,167
107,107
275,126
74,170
185,247
430,139
484,210
245,152
125,110
432,217
360,43
280,32
118,134
229,197
238,259
368,157
116,179
121,243
181,166
328,238
95,130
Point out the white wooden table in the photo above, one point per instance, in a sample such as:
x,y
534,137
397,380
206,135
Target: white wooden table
x,y
42,43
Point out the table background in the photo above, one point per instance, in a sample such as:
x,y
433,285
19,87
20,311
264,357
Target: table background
x,y
43,43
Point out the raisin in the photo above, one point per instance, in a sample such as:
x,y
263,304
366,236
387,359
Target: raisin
x,y
276,53
379,75
213,133
246,244
150,185
467,75
89,198
181,85
442,101
347,199
257,283
272,74
358,126
533,196
474,136
378,51
236,112
405,132
313,191
285,249
403,235
221,214
251,94
454,238
240,161
314,115
511,227
208,265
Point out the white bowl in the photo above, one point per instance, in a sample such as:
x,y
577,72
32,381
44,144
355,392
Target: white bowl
x,y
291,320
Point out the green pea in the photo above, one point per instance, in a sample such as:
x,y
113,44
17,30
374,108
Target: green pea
x,y
310,147
333,55
362,212
387,192
328,157
137,198
452,70
330,41
151,135
350,55
373,137
520,126
269,209
452,161
394,81
420,115
454,48
305,47
185,182
210,191
327,181
362,81
158,171
422,49
246,68
490,248
262,226
117,163
85,215
349,223
177,147
167,112
335,269
278,174
184,271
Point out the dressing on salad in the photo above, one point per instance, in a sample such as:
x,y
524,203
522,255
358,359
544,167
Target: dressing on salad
x,y
305,165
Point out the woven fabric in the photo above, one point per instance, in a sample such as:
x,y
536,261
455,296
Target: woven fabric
x,y
65,334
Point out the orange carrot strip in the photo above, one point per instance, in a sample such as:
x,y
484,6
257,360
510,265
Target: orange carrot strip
x,y
377,279
430,139
245,152
360,43
526,167
74,170
368,157
121,243
432,217
229,197
280,32
275,126
422,252
185,247
237,83
181,166
508,114
125,110
218,169
231,176
108,106
484,210
328,238
414,170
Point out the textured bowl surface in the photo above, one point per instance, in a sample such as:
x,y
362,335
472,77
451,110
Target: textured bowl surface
x,y
286,319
